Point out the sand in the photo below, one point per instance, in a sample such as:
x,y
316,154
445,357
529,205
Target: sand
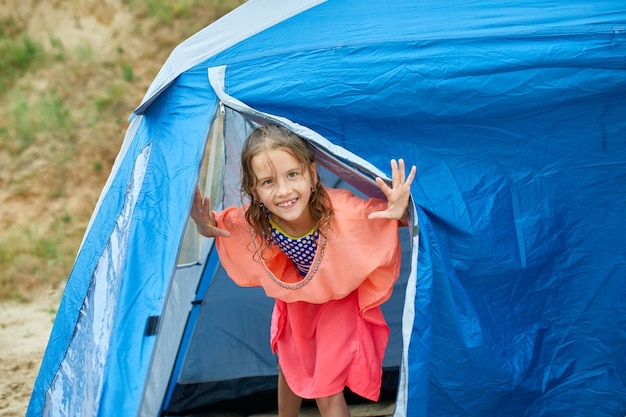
x,y
24,332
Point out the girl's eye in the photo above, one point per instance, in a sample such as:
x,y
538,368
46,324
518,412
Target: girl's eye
x,y
266,182
292,174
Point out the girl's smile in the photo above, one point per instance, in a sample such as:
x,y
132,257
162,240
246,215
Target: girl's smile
x,y
284,186
287,203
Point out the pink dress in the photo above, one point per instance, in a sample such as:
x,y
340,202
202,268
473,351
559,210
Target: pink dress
x,y
327,327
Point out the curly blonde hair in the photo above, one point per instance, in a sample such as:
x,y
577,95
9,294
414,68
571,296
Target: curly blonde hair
x,y
268,137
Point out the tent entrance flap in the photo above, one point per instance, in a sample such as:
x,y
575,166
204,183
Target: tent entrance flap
x,y
229,356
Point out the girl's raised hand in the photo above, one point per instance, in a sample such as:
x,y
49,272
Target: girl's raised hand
x,y
204,219
398,195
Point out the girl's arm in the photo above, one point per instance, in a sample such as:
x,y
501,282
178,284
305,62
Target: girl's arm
x,y
204,219
397,195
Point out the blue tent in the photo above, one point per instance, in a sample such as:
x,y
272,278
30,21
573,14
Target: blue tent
x,y
513,296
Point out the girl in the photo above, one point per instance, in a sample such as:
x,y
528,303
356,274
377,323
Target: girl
x,y
328,258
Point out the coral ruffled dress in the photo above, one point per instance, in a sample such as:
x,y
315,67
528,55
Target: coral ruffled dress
x,y
327,327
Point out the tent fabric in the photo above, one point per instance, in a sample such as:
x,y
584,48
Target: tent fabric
x,y
514,116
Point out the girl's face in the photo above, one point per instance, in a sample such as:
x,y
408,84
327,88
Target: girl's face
x,y
284,187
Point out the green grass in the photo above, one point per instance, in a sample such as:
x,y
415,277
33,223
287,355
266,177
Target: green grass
x,y
18,52
31,120
127,72
166,11
31,257
162,10
20,133
57,103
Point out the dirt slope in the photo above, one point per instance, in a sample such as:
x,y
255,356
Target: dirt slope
x,y
100,57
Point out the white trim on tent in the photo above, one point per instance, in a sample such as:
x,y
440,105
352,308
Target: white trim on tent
x,y
247,20
217,80
408,316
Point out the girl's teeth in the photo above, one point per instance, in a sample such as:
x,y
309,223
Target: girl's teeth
x,y
288,203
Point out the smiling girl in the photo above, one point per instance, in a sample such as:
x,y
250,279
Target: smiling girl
x,y
327,257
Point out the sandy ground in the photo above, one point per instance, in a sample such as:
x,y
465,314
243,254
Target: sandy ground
x,y
24,331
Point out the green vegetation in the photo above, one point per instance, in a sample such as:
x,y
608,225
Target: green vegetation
x,y
46,116
29,258
166,11
63,114
127,71
18,52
